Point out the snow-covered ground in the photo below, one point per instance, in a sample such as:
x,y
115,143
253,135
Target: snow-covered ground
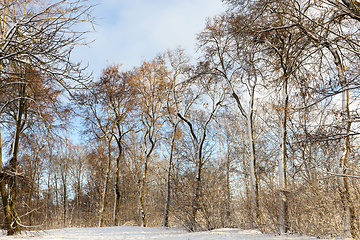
x,y
138,233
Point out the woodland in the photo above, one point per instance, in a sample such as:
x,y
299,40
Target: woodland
x,y
260,131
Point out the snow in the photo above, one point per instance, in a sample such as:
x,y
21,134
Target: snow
x,y
138,233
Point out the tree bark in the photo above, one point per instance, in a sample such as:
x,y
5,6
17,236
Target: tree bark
x,y
64,200
254,185
168,179
16,229
118,140
142,194
197,196
5,204
117,187
283,207
33,177
228,189
31,194
142,198
199,162
106,187
349,217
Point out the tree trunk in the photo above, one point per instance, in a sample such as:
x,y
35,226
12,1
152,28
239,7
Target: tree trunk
x,y
254,185
16,229
31,194
349,217
117,188
198,190
343,187
4,196
283,208
198,147
106,187
64,186
78,202
142,195
142,200
168,179
32,185
197,195
228,191
6,207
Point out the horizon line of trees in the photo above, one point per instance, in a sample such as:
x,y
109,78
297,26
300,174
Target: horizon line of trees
x,y
260,132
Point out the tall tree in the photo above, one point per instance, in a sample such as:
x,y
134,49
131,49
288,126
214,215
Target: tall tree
x,y
288,46
98,118
152,86
337,45
238,60
178,62
31,102
38,37
202,88
116,91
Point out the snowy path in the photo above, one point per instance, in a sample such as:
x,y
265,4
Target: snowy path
x,y
138,233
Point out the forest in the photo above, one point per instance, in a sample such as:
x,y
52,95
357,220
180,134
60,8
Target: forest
x,y
260,131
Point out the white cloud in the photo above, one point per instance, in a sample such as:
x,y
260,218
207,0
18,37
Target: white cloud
x,y
131,31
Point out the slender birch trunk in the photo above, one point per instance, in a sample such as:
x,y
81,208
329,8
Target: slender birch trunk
x,y
168,179
32,193
228,193
117,188
254,186
117,178
142,198
283,208
78,202
343,181
349,217
106,187
196,200
64,186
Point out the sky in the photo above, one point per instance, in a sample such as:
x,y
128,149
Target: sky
x,y
131,31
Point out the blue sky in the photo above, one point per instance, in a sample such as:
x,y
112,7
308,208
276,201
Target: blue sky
x,y
130,31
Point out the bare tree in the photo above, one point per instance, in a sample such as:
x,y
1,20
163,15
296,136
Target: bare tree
x,y
38,37
178,62
237,59
116,92
205,89
152,86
